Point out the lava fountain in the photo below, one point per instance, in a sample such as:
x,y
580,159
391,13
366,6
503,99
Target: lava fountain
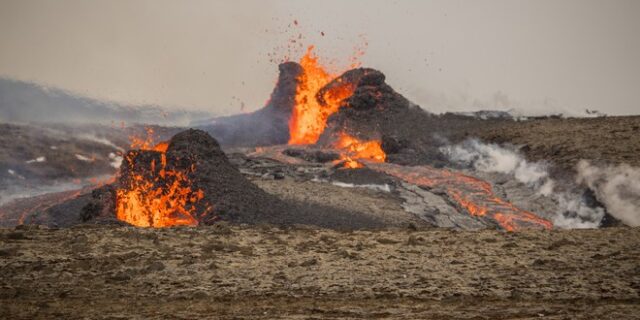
x,y
310,113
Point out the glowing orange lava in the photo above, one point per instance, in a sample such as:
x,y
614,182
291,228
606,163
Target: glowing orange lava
x,y
160,147
354,149
143,204
159,198
309,116
146,143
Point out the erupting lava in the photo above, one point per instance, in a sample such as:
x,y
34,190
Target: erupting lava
x,y
315,102
159,198
354,149
309,116
146,143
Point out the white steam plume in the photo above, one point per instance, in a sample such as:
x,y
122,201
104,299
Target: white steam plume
x,y
618,187
571,212
493,158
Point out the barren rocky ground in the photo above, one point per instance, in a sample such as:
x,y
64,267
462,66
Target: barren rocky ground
x,y
380,205
564,142
235,272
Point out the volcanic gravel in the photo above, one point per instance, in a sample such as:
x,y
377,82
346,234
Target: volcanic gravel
x,y
375,203
361,176
223,272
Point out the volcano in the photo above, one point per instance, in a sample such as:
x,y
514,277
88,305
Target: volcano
x,y
349,120
315,127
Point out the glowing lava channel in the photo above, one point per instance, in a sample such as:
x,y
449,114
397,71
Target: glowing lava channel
x,y
353,149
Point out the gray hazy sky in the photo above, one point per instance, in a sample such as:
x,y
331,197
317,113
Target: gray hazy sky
x,y
536,56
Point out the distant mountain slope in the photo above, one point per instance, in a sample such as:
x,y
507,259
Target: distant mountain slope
x,y
28,102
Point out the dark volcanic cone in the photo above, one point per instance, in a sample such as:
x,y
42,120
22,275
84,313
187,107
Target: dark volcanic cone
x,y
233,197
267,126
409,134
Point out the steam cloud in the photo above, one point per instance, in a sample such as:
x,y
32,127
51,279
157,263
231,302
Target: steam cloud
x,y
618,187
572,210
493,158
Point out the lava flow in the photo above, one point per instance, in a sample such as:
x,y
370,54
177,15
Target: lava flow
x,y
353,149
310,113
472,194
157,197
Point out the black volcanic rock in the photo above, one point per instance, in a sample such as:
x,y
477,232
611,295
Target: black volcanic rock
x,y
370,112
319,156
267,126
283,96
392,145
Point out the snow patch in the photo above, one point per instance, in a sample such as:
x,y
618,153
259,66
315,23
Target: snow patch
x,y
38,159
377,187
83,158
15,174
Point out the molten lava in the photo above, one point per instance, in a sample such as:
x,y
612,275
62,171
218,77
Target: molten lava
x,y
159,197
309,116
354,149
472,194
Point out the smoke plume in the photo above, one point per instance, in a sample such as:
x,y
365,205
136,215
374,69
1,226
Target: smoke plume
x,y
618,187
